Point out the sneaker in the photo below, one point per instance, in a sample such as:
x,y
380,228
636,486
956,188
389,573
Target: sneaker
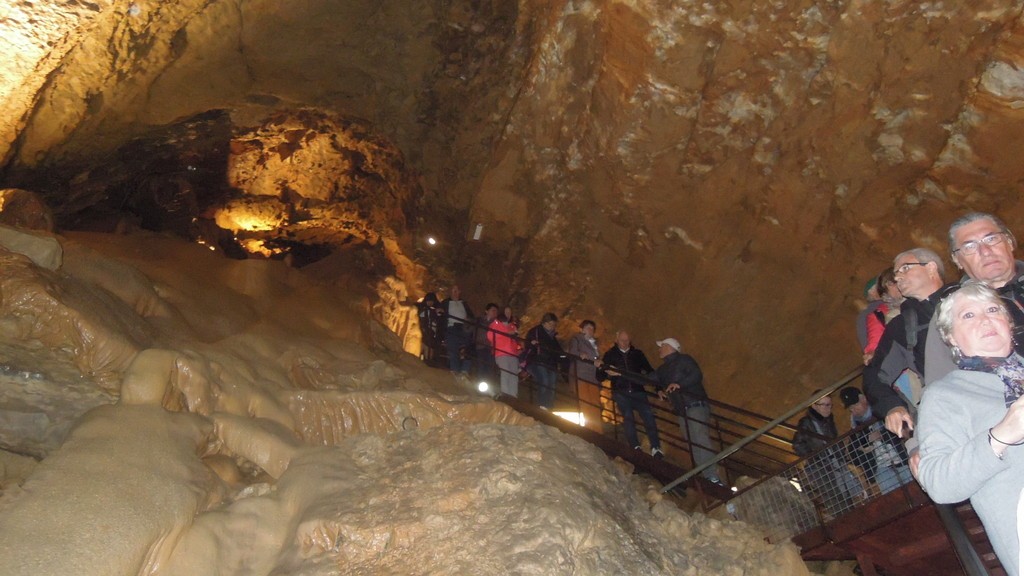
x,y
637,448
717,482
657,453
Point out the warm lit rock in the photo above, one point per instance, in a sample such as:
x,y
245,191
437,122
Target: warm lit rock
x,y
269,441
728,173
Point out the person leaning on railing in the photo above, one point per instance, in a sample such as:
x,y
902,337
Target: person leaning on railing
x,y
826,473
429,317
681,379
542,357
583,348
505,343
971,422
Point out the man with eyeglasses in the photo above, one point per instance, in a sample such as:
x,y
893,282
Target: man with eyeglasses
x,y
982,246
919,275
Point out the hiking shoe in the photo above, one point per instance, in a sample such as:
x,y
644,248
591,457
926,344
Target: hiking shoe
x,y
657,453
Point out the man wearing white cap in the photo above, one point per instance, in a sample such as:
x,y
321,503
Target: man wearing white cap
x,y
681,378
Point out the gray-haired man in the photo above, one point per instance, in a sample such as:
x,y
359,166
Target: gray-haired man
x,y
919,277
982,246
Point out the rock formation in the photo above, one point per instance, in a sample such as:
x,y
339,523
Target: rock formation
x,y
727,173
744,167
241,419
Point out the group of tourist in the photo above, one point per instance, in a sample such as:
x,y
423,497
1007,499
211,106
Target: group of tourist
x,y
490,343
944,372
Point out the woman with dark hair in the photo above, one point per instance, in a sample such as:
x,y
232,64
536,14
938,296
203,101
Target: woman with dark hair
x,y
543,353
430,334
886,311
971,422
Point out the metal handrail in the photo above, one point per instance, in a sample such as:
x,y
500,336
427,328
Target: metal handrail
x,y
737,446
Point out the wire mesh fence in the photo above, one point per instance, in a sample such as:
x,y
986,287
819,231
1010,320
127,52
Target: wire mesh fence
x,y
847,473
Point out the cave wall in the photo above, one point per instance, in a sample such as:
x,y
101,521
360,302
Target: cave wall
x,y
732,173
728,173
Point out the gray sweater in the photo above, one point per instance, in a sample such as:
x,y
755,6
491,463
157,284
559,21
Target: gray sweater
x,y
957,462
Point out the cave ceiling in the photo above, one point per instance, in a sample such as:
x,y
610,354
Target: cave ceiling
x,y
728,173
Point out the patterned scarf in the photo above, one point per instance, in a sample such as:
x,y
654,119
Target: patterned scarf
x,y
1010,370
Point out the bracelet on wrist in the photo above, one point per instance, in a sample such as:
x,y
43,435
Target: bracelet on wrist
x,y
993,437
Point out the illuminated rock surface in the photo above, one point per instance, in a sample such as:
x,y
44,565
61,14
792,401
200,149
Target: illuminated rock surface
x,y
728,173
253,436
713,171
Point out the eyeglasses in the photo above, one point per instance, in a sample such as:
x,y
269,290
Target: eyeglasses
x,y
906,268
972,246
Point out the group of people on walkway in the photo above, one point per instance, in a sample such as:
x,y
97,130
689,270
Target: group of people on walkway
x,y
945,374
874,452
490,344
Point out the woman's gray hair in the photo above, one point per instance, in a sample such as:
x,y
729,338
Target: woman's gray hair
x,y
972,290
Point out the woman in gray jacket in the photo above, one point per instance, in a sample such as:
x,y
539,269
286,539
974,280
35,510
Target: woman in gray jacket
x,y
971,422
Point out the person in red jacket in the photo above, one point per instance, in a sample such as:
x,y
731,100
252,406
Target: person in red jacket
x,y
505,344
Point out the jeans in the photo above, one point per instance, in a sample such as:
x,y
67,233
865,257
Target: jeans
x,y
628,401
455,339
545,378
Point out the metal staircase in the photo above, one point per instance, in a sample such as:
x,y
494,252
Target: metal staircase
x,y
892,529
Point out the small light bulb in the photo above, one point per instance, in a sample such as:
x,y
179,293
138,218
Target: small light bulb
x,y
482,387
431,240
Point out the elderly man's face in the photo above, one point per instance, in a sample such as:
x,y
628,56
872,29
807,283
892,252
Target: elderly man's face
x,y
992,265
456,293
622,340
980,328
913,278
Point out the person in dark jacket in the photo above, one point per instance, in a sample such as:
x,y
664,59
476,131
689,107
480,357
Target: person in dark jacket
x,y
627,368
825,473
430,328
878,452
542,356
681,379
484,355
919,277
457,323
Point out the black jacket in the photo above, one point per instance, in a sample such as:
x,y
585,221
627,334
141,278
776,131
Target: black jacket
x,y
902,346
682,369
633,366
547,352
813,432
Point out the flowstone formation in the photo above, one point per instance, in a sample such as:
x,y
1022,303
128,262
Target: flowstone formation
x,y
244,419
